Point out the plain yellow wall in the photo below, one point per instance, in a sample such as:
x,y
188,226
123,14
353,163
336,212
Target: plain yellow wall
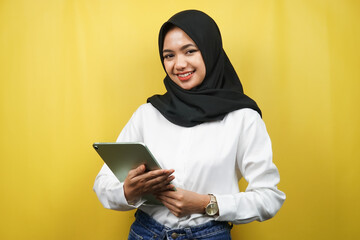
x,y
73,72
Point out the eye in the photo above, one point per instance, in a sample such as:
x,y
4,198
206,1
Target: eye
x,y
168,56
191,51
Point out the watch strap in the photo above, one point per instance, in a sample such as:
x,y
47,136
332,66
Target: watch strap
x,y
212,198
212,208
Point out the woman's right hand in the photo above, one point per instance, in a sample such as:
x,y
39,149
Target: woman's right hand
x,y
138,182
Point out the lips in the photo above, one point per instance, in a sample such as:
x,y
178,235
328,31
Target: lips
x,y
184,76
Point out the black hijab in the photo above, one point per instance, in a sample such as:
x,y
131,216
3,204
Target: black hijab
x,y
221,91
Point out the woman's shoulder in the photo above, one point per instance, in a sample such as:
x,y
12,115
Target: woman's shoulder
x,y
245,114
145,111
146,108
245,119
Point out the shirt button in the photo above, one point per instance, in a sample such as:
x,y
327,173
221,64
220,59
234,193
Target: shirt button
x,y
174,235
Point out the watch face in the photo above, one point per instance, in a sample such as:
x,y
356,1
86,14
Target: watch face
x,y
211,209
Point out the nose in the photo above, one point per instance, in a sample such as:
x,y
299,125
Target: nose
x,y
180,62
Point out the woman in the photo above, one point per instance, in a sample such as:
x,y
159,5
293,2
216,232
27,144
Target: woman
x,y
206,134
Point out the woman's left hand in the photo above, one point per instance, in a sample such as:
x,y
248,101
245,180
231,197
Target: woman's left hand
x,y
182,202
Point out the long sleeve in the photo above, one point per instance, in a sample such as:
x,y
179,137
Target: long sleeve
x,y
207,158
107,187
262,199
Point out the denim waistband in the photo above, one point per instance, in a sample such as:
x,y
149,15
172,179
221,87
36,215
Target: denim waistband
x,y
160,231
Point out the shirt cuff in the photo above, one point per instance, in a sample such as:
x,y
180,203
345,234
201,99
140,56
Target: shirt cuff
x,y
227,207
135,203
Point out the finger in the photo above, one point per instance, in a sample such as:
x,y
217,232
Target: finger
x,y
147,175
166,200
164,196
169,187
137,171
158,189
159,182
169,194
159,173
170,206
166,190
153,175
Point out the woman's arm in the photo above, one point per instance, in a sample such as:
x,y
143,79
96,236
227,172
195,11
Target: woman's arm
x,y
262,199
182,202
110,191
126,195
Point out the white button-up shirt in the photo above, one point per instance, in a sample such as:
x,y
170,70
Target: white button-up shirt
x,y
208,158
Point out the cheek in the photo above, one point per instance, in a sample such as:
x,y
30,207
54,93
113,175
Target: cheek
x,y
167,66
202,68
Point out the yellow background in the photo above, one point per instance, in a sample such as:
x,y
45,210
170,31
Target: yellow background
x,y
73,72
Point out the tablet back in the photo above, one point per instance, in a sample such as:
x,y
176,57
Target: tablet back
x,y
122,157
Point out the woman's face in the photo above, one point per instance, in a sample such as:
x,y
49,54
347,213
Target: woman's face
x,y
183,60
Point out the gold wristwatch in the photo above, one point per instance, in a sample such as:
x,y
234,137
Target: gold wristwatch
x,y
212,208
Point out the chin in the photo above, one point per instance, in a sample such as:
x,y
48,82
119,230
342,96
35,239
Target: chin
x,y
187,86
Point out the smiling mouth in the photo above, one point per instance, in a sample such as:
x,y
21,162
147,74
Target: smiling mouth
x,y
185,76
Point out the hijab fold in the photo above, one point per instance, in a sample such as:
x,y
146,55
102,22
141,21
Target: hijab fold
x,y
221,91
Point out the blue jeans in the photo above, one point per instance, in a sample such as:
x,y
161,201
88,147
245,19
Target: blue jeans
x,y
145,227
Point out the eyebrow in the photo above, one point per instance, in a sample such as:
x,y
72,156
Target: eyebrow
x,y
182,48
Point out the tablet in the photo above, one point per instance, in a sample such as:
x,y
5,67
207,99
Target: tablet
x,y
122,157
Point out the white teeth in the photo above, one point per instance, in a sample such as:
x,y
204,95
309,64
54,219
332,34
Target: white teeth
x,y
185,75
